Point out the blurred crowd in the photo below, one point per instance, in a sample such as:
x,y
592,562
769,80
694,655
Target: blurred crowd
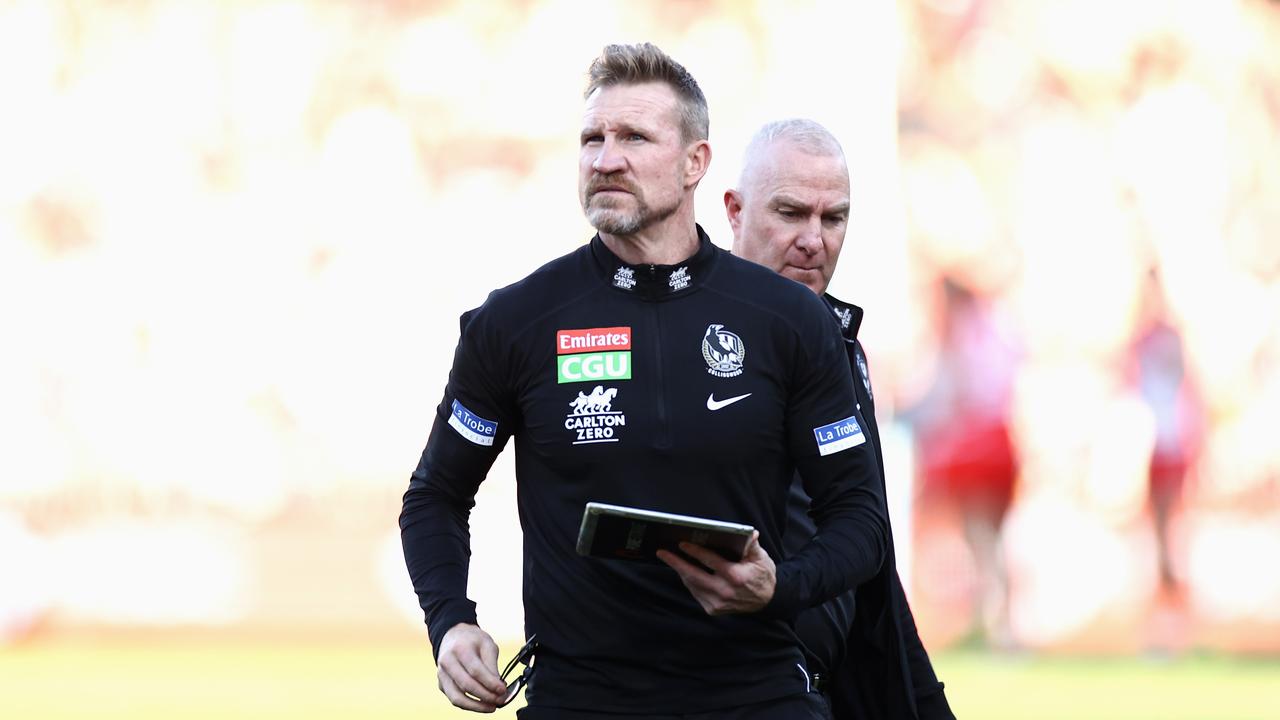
x,y
235,240
1093,202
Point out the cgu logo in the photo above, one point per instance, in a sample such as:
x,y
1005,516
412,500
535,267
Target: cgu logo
x,y
594,366
593,354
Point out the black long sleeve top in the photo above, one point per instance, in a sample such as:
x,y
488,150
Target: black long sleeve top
x,y
865,641
700,389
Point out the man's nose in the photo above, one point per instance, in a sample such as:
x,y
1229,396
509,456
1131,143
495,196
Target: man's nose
x,y
608,159
809,240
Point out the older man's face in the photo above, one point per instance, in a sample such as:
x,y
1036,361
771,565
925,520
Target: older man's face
x,y
630,168
792,213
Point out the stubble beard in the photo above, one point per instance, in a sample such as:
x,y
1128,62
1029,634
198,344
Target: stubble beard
x,y
616,220
612,219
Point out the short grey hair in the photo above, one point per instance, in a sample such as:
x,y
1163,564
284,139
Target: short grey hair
x,y
806,134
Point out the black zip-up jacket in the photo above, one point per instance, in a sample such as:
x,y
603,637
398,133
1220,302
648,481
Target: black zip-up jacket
x,y
865,642
699,389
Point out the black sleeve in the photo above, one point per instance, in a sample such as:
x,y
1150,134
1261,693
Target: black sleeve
x,y
472,424
837,465
931,702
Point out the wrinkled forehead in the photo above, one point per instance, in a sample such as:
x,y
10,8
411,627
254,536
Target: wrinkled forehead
x,y
651,105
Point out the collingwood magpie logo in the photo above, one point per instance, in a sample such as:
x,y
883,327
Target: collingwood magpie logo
x,y
624,278
592,417
864,372
723,351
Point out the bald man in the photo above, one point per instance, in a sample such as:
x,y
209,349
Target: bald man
x,y
789,213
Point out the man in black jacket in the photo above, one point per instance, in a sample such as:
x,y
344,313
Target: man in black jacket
x,y
790,214
647,368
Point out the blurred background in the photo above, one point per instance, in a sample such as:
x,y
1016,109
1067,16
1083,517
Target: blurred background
x,y
235,239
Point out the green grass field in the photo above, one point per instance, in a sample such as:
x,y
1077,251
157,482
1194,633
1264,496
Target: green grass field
x,y
226,679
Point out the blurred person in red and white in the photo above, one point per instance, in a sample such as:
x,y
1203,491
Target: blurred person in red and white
x,y
1160,374
966,454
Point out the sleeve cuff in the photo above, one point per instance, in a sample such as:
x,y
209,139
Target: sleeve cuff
x,y
450,613
786,602
932,704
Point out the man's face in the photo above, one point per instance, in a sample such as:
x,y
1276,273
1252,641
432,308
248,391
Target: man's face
x,y
791,213
631,169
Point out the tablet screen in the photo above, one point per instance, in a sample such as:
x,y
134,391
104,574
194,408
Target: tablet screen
x,y
627,533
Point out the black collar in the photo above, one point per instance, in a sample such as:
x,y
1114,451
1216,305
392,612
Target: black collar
x,y
848,315
656,282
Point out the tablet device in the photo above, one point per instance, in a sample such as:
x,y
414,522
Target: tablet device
x,y
627,533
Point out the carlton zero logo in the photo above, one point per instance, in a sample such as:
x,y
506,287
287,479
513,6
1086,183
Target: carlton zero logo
x,y
592,418
593,354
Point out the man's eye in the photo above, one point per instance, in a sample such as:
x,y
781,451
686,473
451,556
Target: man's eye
x,y
789,214
590,139
635,137
834,219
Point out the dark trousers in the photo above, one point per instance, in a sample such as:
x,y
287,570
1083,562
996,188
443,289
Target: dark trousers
x,y
809,706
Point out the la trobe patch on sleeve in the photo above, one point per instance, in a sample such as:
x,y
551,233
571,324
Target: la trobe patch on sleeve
x,y
472,426
839,435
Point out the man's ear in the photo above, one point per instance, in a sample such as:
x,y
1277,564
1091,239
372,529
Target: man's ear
x,y
697,160
733,208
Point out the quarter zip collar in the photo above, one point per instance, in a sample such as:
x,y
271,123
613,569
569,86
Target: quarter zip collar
x,y
848,315
656,282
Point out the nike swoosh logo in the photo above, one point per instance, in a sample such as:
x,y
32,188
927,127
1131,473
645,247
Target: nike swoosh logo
x,y
714,404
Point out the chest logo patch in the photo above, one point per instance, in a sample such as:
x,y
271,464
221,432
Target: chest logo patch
x,y
593,354
592,418
724,351
713,404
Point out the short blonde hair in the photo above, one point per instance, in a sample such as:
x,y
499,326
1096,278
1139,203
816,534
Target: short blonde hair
x,y
636,64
